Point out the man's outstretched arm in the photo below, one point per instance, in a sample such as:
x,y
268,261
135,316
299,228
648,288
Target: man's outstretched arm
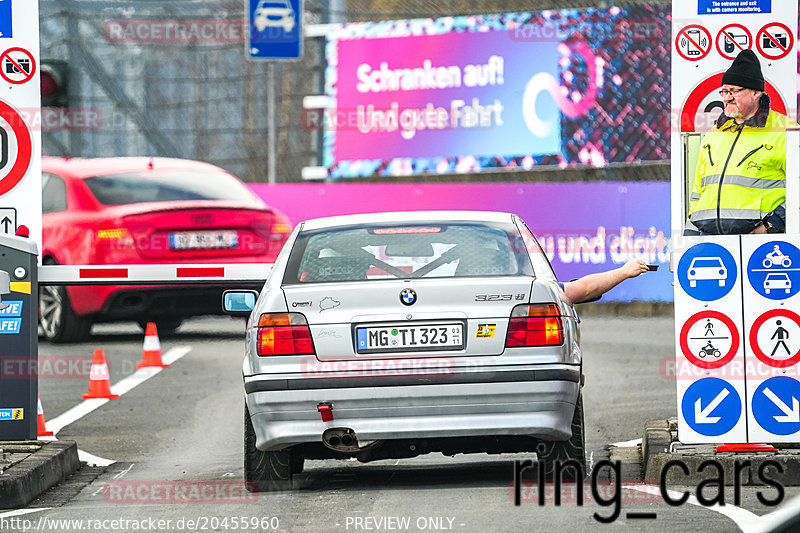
x,y
594,285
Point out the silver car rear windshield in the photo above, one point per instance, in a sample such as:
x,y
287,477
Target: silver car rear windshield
x,y
452,250
167,186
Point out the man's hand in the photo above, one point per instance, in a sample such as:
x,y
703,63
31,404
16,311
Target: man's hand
x,y
633,268
760,230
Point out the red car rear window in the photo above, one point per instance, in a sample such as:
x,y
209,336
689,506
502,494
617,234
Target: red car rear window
x,y
168,186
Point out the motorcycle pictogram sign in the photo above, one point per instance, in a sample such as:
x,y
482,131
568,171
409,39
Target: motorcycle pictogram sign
x,y
709,339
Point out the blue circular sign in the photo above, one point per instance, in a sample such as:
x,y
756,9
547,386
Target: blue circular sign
x,y
707,271
774,270
776,405
711,407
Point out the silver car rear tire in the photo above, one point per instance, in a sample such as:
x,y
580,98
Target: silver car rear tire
x,y
553,452
267,471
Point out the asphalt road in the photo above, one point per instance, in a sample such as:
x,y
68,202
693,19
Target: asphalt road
x,y
176,443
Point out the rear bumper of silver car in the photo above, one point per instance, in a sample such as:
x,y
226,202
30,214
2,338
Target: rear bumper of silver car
x,y
537,401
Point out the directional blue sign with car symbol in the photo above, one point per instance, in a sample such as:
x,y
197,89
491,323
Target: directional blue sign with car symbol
x,y
774,270
275,30
711,407
707,272
776,405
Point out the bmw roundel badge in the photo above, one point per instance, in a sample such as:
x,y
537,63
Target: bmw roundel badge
x,y
408,296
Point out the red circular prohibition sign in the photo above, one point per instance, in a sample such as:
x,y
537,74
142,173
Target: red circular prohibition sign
x,y
23,160
684,339
706,87
764,358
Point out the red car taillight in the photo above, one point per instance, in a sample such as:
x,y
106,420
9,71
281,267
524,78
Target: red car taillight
x,y
535,325
284,334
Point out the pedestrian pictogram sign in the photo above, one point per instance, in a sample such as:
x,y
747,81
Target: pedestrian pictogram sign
x,y
693,42
774,270
732,39
17,65
775,338
709,339
711,407
15,148
775,40
776,405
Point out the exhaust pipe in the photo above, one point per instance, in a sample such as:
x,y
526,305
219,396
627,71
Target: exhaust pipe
x,y
340,439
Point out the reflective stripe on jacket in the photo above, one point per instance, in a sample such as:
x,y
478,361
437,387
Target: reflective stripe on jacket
x,y
741,174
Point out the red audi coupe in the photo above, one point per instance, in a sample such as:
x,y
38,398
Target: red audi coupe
x,y
140,210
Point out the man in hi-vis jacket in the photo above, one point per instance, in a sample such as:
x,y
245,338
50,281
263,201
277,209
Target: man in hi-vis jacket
x,y
740,185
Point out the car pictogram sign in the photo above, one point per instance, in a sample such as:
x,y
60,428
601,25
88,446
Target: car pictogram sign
x,y
704,104
732,39
775,338
15,148
775,40
711,407
774,270
776,405
709,339
693,42
17,65
707,271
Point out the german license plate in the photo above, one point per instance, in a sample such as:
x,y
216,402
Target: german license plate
x,y
406,338
203,240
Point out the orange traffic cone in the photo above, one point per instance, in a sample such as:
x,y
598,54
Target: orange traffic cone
x,y
151,351
40,419
99,384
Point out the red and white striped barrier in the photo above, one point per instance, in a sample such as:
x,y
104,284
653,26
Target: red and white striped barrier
x,y
162,274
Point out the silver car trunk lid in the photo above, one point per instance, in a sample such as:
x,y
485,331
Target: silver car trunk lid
x,y
481,306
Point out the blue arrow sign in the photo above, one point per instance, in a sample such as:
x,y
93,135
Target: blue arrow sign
x,y
707,272
276,29
774,270
776,405
711,407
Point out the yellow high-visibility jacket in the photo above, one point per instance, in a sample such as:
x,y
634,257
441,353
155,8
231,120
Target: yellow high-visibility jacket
x,y
741,175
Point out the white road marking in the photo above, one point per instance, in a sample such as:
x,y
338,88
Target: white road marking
x,y
93,460
627,443
20,512
741,517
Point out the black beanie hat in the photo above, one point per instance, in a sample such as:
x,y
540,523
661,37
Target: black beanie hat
x,y
745,72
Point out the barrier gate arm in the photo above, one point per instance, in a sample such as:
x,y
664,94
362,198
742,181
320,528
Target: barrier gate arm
x,y
154,274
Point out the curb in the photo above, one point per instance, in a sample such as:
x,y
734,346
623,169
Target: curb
x,y
32,467
660,445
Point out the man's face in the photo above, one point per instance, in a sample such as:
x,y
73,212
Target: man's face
x,y
740,104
